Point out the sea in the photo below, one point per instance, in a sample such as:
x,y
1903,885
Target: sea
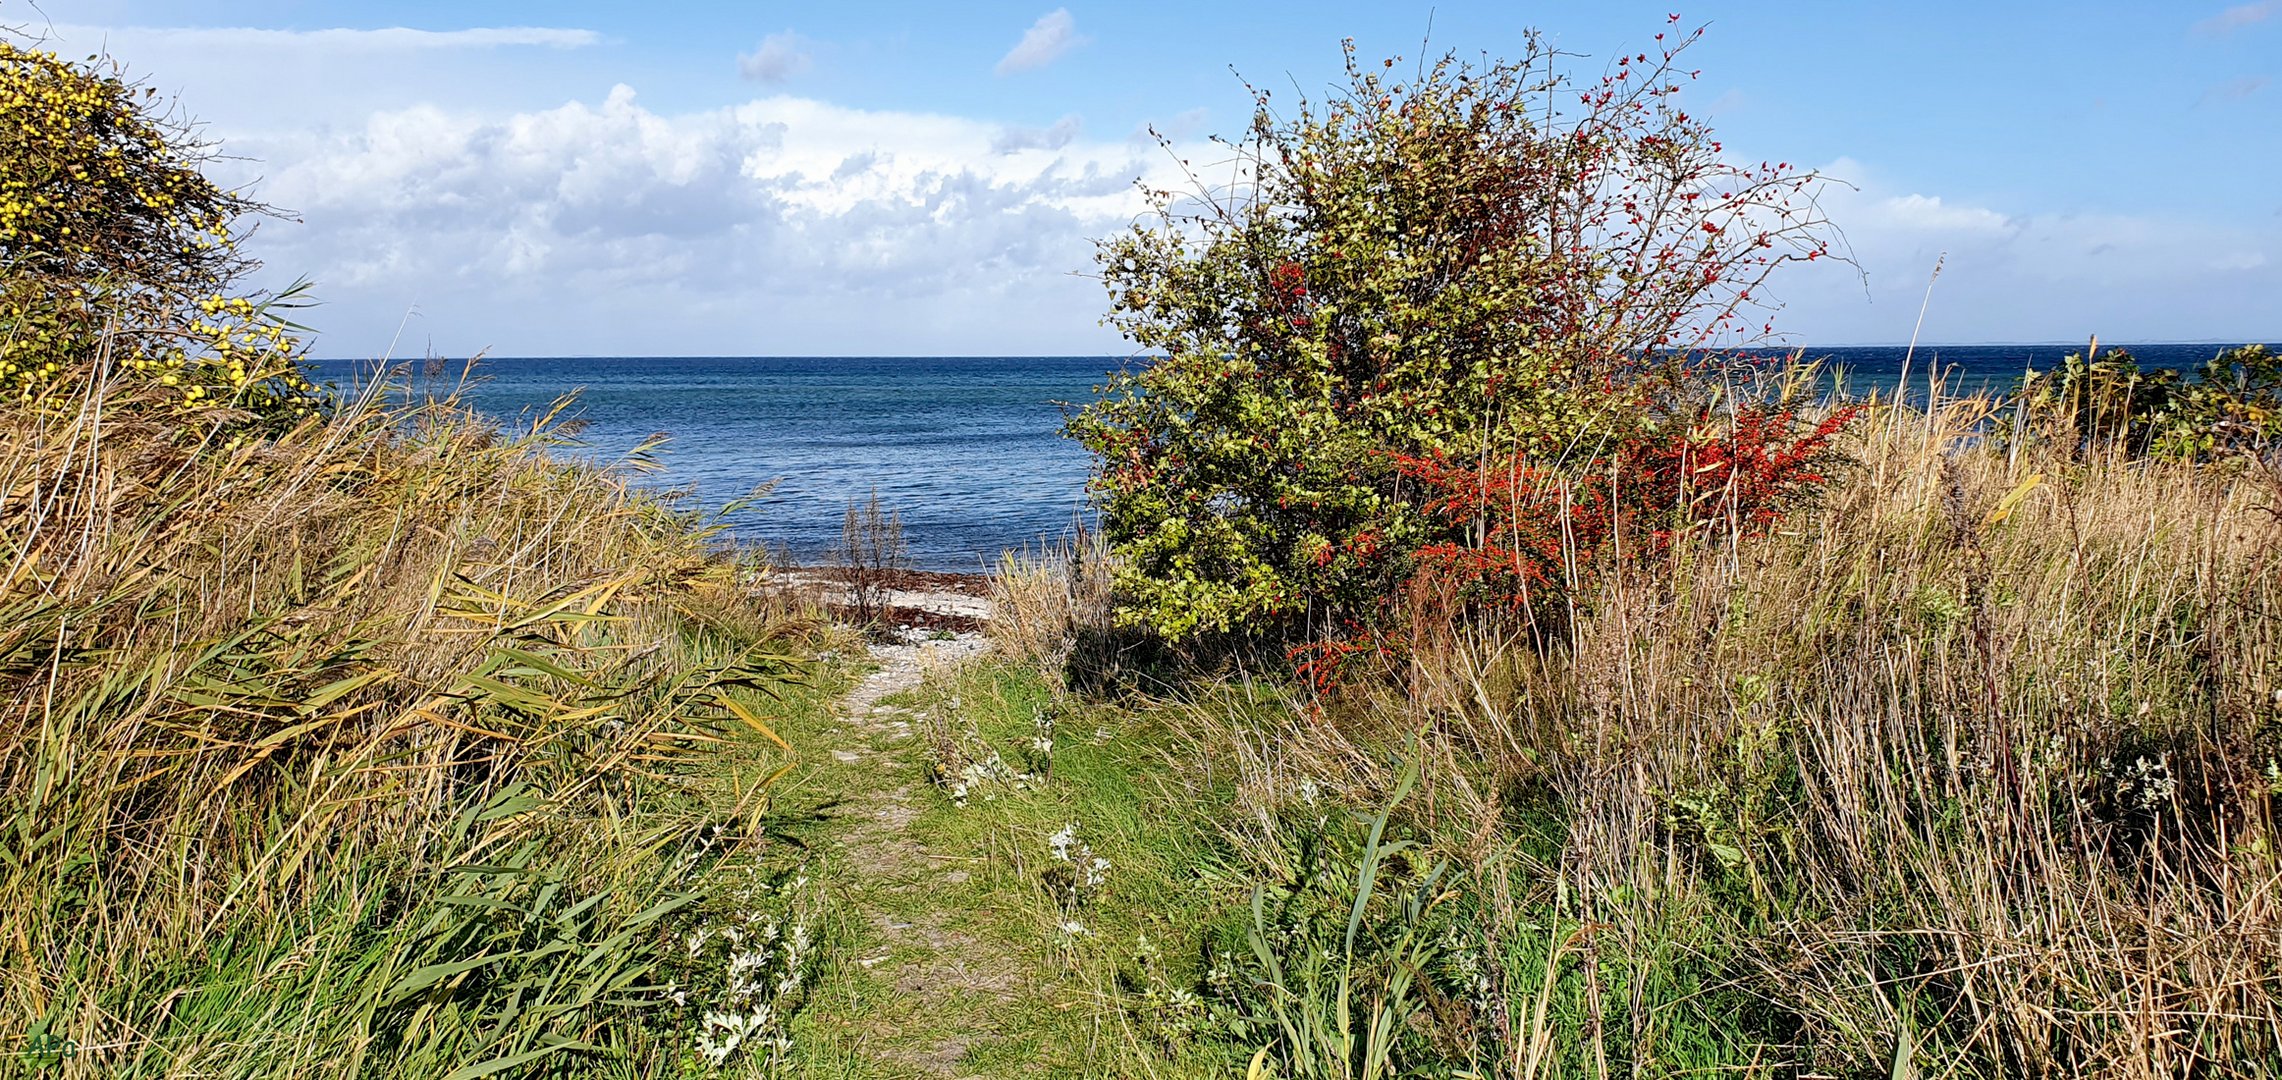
x,y
967,451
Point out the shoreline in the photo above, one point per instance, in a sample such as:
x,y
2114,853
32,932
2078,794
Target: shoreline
x,y
933,601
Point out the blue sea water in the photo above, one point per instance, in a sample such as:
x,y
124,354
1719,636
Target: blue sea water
x,y
1964,369
967,449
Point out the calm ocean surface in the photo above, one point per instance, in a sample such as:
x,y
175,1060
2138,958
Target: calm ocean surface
x,y
967,449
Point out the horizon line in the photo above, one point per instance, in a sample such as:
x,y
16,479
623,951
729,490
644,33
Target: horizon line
x,y
1921,346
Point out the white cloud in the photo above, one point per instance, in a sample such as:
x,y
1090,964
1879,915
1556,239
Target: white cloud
x,y
391,39
779,225
1016,139
791,225
1929,212
1055,33
259,82
780,57
2238,17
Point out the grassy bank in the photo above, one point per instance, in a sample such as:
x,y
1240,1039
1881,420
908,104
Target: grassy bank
x,y
1967,771
390,746
397,746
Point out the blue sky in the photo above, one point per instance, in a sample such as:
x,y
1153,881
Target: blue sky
x,y
759,178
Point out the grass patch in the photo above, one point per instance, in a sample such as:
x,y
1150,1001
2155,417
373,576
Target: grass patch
x,y
1968,770
970,946
393,745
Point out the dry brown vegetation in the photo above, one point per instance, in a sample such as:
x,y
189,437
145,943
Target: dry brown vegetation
x,y
287,729
1968,770
1048,604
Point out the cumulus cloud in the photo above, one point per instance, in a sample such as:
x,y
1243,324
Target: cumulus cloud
x,y
780,57
790,225
1063,132
1055,33
2238,17
511,218
390,39
778,225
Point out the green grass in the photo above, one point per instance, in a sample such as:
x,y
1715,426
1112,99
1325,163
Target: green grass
x,y
1968,771
393,746
369,975
1153,790
467,762
1053,1004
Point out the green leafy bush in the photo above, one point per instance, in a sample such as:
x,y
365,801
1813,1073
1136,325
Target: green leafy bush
x,y
1480,261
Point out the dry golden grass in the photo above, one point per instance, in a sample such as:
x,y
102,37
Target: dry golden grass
x,y
1970,770
242,689
1049,604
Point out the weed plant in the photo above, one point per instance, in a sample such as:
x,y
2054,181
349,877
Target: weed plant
x,y
873,554
1050,607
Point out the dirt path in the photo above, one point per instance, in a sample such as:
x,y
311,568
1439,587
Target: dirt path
x,y
924,966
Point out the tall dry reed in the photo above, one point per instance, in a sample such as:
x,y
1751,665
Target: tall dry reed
x,y
1969,770
257,704
1051,607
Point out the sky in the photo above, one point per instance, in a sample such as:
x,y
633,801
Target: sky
x,y
759,178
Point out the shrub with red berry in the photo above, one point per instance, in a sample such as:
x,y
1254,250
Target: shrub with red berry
x,y
1496,268
1533,529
